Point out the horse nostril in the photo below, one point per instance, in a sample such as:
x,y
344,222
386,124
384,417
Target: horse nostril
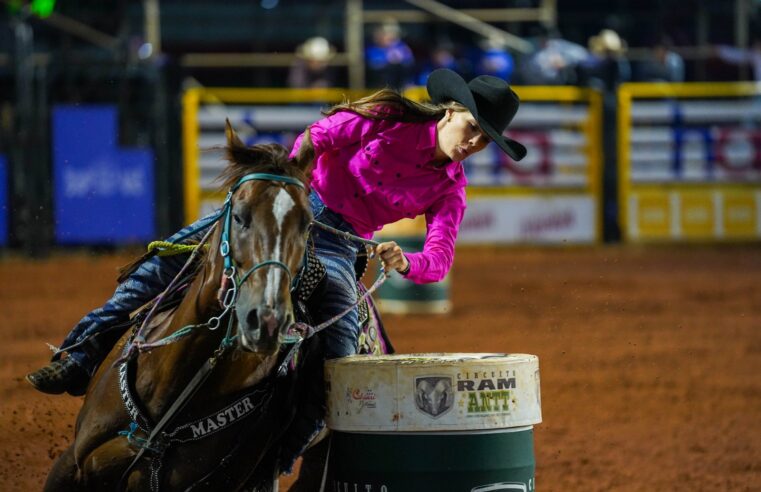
x,y
268,319
252,319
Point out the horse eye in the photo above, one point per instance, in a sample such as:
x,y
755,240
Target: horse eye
x,y
306,224
239,221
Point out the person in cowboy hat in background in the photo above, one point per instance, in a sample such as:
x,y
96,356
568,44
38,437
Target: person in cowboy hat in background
x,y
311,68
377,160
608,66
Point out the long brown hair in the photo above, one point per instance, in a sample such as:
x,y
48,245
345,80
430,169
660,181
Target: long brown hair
x,y
388,104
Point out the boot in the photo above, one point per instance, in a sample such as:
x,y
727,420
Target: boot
x,y
60,376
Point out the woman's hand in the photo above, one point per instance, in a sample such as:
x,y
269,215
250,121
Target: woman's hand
x,y
392,256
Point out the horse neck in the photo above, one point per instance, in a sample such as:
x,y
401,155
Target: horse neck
x,y
198,305
179,361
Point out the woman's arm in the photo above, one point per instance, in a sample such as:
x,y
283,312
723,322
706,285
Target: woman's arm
x,y
443,222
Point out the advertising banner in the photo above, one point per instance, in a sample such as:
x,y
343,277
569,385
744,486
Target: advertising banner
x,y
540,198
529,219
690,162
103,194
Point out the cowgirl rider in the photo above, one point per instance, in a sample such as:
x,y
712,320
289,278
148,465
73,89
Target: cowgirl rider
x,y
377,160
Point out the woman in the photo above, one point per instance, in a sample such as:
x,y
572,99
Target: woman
x,y
377,160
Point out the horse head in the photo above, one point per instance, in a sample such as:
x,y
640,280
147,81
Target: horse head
x,y
264,233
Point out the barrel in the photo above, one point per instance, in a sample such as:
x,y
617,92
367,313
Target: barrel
x,y
401,296
438,422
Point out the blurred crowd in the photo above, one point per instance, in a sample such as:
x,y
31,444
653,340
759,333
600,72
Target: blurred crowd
x,y
602,62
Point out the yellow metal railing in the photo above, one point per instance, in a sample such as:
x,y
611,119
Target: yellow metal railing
x,y
193,98
627,94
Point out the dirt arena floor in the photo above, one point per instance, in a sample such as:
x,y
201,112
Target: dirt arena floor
x,y
650,358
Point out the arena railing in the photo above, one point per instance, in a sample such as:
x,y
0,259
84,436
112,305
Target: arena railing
x,y
689,161
552,196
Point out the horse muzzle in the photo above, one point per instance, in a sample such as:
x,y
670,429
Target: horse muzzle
x,y
261,331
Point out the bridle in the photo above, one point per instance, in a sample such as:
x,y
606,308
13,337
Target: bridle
x,y
230,282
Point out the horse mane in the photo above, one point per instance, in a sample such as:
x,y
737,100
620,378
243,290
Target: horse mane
x,y
268,158
271,158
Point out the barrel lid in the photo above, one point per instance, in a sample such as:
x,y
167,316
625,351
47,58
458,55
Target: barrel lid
x,y
433,392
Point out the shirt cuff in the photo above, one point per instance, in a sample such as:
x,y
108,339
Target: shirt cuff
x,y
407,270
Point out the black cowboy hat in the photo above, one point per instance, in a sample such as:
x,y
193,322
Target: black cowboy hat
x,y
489,99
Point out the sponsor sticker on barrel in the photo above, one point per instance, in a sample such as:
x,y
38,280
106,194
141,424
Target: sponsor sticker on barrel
x,y
428,392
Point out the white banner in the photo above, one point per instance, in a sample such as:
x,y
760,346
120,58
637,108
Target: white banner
x,y
529,219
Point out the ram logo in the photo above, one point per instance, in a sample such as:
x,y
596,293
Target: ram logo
x,y
434,395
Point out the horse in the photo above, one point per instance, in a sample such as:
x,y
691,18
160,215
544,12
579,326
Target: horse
x,y
152,419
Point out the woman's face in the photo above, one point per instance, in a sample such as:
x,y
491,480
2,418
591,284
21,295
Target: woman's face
x,y
458,136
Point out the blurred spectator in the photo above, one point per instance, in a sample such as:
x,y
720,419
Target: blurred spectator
x,y
555,62
389,60
443,56
311,69
740,56
494,59
665,65
608,66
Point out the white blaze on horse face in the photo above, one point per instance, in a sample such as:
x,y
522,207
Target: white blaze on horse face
x,y
282,205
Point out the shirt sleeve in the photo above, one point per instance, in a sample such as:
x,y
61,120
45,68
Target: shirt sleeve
x,y
337,131
443,222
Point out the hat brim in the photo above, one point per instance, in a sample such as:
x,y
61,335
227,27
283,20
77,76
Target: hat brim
x,y
446,85
512,148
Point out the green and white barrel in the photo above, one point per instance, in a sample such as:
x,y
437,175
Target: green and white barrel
x,y
433,422
401,296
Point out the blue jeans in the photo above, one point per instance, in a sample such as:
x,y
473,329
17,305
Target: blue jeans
x,y
338,255
339,339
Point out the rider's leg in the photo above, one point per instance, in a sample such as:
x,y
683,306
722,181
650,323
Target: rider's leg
x,y
90,340
338,340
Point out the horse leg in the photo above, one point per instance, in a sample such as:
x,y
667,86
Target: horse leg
x,y
264,478
313,464
103,468
63,475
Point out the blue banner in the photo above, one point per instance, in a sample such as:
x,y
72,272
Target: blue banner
x,y
103,194
4,205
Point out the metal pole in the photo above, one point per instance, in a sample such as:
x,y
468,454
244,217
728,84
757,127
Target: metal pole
x,y
28,221
701,29
741,31
355,44
475,25
491,15
152,25
549,13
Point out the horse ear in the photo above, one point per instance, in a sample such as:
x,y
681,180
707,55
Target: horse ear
x,y
232,138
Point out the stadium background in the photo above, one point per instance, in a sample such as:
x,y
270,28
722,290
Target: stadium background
x,y
623,251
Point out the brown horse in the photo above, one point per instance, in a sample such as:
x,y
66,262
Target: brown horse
x,y
219,440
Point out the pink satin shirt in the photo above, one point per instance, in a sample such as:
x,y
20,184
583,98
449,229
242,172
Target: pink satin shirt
x,y
375,172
